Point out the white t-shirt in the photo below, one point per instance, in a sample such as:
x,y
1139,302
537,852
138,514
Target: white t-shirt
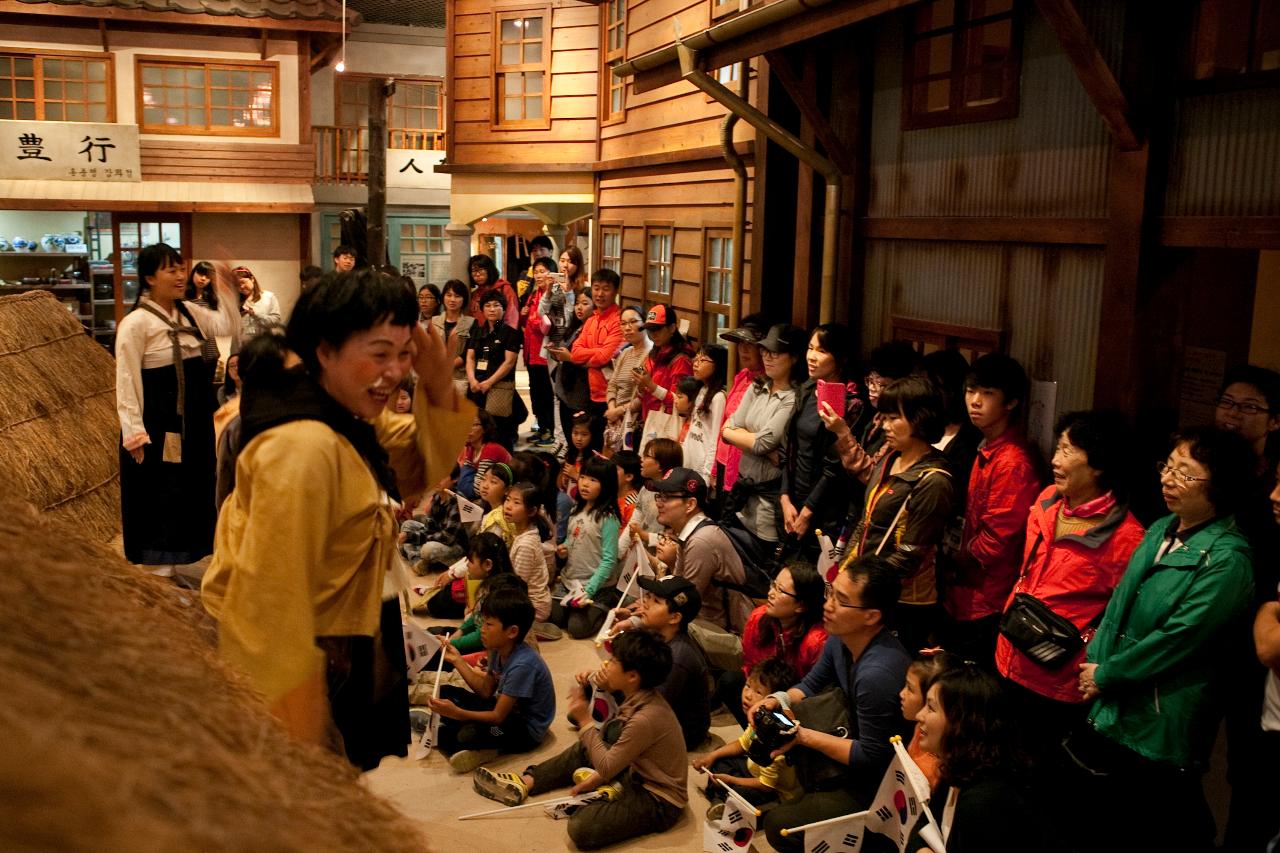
x,y
1271,703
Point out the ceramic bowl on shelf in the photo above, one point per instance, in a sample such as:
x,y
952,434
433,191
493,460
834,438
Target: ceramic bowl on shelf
x,y
19,244
5,247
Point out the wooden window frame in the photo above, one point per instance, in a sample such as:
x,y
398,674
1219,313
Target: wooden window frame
x,y
970,340
727,8
721,232
338,80
956,112
658,229
1203,53
608,228
495,119
608,59
189,130
38,88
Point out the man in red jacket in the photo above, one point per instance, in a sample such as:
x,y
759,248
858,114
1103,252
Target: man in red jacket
x,y
1002,487
600,339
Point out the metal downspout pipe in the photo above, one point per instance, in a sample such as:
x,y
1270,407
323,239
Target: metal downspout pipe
x,y
739,106
739,214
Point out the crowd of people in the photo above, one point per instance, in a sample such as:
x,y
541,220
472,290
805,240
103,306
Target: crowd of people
x,y
857,551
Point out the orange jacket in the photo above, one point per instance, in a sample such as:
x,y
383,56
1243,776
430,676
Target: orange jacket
x,y
597,344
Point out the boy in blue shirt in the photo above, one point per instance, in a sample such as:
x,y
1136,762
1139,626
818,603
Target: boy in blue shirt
x,y
510,706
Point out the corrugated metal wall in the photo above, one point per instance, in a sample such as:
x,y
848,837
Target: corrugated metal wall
x,y
1046,298
1050,161
1226,155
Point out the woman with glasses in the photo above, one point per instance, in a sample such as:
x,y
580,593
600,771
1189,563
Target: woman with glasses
x,y
622,403
907,503
1080,536
787,627
1155,669
1249,404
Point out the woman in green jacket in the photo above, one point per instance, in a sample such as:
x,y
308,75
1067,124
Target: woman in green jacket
x,y
1153,667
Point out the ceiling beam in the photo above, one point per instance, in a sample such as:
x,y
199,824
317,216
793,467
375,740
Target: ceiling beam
x,y
159,20
1096,77
782,68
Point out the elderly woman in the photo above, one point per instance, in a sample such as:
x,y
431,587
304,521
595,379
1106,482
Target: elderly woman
x,y
1080,536
1154,668
301,581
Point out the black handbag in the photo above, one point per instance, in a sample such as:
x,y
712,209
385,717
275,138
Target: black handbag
x,y
1034,629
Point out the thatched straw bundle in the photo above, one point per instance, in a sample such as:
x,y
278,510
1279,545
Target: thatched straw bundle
x,y
123,732
59,434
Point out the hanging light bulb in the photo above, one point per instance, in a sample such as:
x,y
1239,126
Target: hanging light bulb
x,y
342,63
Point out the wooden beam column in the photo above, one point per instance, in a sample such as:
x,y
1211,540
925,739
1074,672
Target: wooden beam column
x,y
1098,81
379,90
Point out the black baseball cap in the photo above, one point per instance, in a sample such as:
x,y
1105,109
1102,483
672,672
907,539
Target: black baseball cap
x,y
682,481
679,592
747,333
786,338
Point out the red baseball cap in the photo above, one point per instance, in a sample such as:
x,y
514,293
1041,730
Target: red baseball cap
x,y
660,315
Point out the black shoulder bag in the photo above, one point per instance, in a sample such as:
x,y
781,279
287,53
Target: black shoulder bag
x,y
1034,629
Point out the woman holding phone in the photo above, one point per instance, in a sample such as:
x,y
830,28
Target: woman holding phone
x,y
815,488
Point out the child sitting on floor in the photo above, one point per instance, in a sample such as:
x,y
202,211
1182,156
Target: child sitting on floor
x,y
731,763
586,589
511,703
487,561
645,768
920,676
492,489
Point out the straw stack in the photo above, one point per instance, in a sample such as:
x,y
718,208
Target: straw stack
x,y
123,732
59,434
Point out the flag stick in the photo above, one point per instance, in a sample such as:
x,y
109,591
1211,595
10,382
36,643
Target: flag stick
x,y
506,809
736,795
421,752
794,829
612,618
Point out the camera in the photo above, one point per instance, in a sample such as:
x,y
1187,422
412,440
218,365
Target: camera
x,y
774,730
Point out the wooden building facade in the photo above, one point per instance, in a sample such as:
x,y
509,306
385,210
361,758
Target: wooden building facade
x,y
1089,185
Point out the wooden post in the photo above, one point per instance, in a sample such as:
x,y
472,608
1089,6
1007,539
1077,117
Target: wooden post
x,y
376,214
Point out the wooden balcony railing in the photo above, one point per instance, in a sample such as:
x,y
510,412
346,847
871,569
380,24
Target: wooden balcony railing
x,y
342,153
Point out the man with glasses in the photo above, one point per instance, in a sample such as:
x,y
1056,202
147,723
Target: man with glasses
x,y
869,665
706,556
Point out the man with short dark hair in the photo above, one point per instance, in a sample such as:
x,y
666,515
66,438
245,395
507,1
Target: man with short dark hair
x,y
868,663
539,247
344,258
706,556
599,340
1002,486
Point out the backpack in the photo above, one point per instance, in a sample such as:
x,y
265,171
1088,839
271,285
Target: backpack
x,y
756,577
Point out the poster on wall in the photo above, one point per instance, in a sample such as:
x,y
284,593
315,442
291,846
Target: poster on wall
x,y
69,151
415,267
438,268
1202,372
1041,414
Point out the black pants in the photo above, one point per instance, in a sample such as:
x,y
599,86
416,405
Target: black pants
x,y
729,691
973,639
810,808
583,622
511,735
737,766
1172,798
542,397
633,813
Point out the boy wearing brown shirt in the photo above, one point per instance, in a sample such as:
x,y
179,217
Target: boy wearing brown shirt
x,y
645,768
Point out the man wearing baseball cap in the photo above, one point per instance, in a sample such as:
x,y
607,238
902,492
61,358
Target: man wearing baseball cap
x,y
668,606
746,340
709,560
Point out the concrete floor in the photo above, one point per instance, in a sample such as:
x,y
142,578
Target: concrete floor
x,y
429,793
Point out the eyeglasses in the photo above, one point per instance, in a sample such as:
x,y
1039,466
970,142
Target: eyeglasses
x,y
700,357
773,585
663,497
1178,477
1227,404
831,596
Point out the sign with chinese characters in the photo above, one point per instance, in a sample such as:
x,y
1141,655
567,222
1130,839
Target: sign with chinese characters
x,y
415,169
69,151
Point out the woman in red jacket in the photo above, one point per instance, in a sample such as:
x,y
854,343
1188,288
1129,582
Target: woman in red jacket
x,y
1080,535
670,360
